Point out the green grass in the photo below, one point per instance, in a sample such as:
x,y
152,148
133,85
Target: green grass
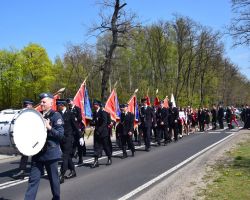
x,y
231,179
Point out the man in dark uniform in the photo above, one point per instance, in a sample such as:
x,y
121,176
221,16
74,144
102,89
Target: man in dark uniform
x,y
243,115
27,103
101,134
214,117
70,128
173,121
81,150
162,123
247,124
147,120
126,130
221,116
228,117
50,154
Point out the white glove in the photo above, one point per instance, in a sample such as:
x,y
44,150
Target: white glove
x,y
81,141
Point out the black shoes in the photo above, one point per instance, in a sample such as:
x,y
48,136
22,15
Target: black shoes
x,y
109,162
95,163
72,174
124,155
147,149
133,153
20,174
61,178
80,162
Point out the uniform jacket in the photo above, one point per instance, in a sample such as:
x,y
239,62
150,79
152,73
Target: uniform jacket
x,y
51,149
162,116
221,113
78,117
173,115
147,117
100,121
126,124
70,124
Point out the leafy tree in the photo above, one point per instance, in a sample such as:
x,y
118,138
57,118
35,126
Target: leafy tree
x,y
37,69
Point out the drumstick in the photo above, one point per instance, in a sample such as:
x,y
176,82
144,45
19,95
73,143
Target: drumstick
x,y
90,132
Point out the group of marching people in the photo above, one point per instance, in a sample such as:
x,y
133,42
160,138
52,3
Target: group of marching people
x,y
65,133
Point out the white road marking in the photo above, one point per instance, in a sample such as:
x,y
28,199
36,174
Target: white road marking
x,y
19,181
161,176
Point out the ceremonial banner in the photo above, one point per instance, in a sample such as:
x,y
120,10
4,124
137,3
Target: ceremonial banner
x,y
148,100
81,100
133,107
156,101
166,105
112,106
173,100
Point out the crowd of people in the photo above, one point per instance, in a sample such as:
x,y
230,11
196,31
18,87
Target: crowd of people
x,y
65,134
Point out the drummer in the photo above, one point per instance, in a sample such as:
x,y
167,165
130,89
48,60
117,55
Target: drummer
x,y
50,154
27,103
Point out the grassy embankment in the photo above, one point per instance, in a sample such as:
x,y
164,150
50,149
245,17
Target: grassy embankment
x,y
231,178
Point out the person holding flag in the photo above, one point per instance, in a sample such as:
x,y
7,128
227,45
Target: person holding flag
x,y
80,106
126,129
147,120
101,134
162,123
81,149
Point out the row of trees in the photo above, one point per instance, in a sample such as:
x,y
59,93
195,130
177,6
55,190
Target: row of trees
x,y
178,56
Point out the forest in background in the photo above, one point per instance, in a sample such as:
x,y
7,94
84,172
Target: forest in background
x,y
179,56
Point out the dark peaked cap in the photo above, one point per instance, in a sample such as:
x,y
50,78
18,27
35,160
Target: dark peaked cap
x,y
123,105
28,101
68,100
60,102
45,95
96,102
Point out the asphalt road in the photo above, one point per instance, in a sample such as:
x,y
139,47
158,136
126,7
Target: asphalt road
x,y
119,179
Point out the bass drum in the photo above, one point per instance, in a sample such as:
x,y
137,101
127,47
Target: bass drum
x,y
6,117
28,132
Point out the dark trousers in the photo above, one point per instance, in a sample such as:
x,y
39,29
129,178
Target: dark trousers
x,y
67,162
214,124
201,124
101,143
81,150
23,162
127,141
221,123
146,136
35,176
173,126
162,132
67,149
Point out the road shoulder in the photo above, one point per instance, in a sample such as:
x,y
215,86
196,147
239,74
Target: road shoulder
x,y
188,181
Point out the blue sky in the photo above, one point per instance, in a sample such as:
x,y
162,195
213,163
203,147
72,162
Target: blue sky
x,y
55,23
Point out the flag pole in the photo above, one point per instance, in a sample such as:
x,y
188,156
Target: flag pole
x,y
136,90
115,85
59,91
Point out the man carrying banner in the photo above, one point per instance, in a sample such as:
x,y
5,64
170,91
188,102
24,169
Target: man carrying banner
x,y
126,129
173,121
147,120
162,123
81,149
101,134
